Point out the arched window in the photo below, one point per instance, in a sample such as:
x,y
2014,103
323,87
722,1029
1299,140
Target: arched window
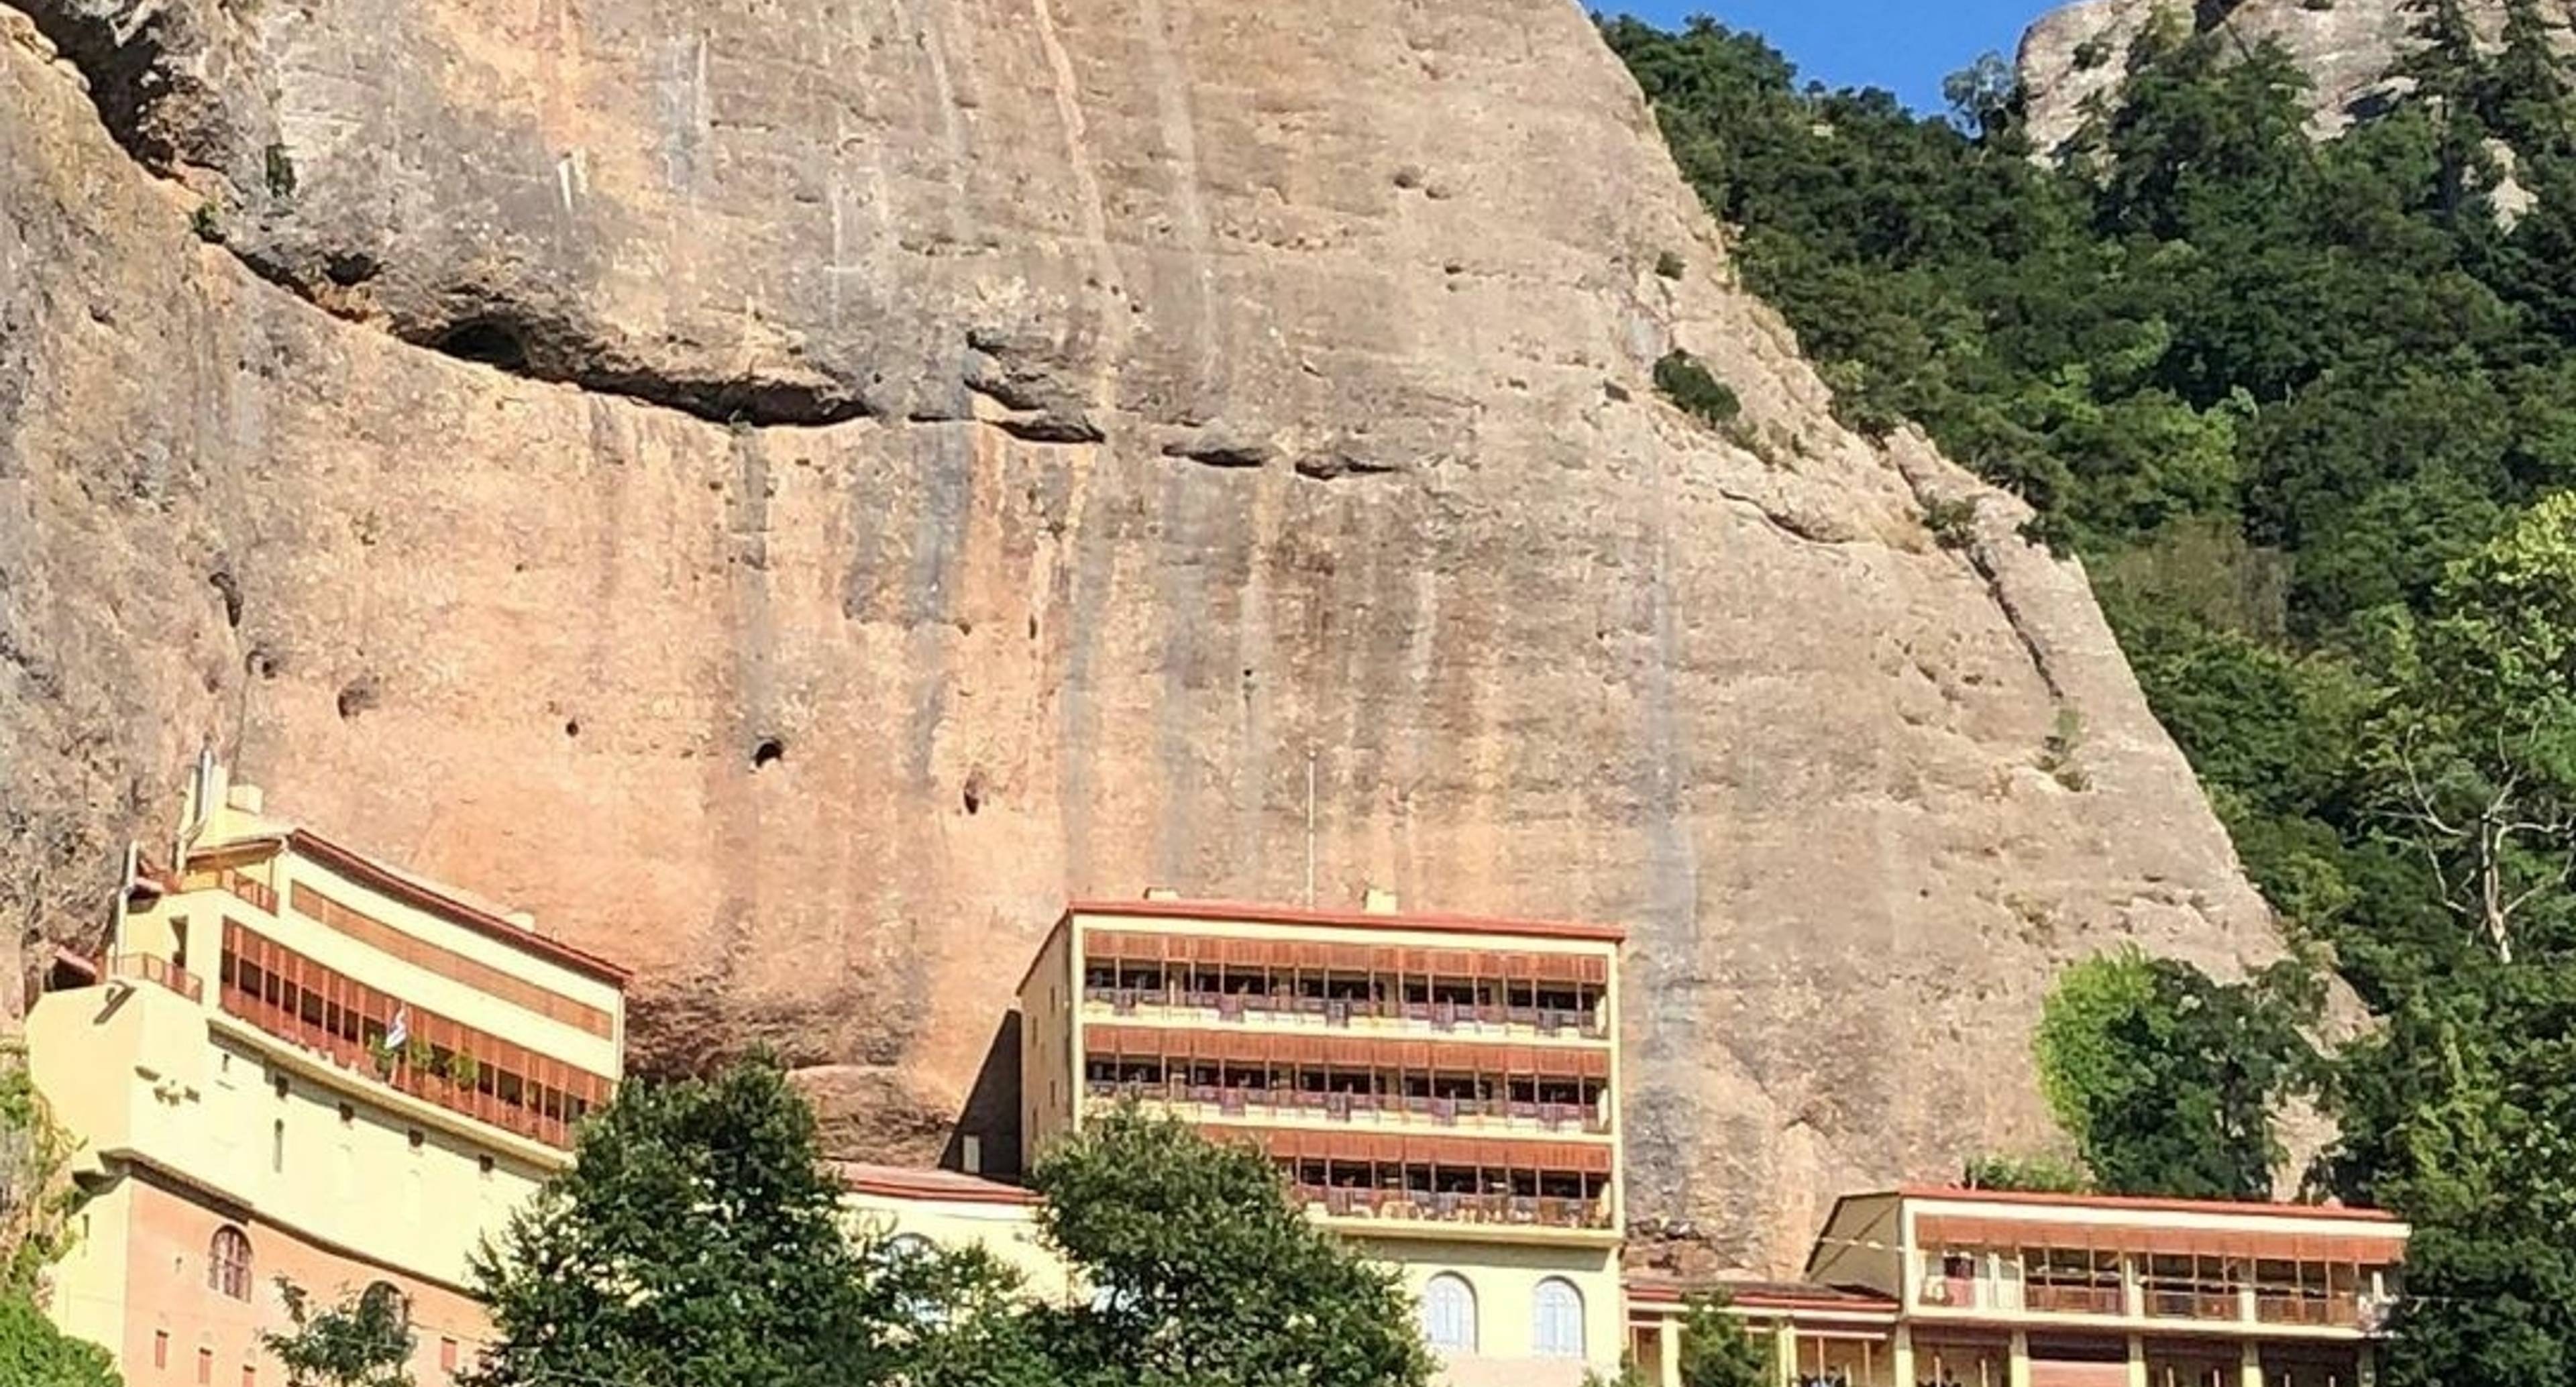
x,y
228,1263
386,1299
1556,1319
1449,1314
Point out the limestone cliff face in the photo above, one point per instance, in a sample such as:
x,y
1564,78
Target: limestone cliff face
x,y
2076,54
791,490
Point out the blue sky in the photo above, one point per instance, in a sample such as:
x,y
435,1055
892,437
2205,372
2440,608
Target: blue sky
x,y
1906,46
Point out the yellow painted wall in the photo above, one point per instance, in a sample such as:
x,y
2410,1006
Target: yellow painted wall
x,y
1505,1279
1006,1230
88,1299
1049,1082
139,1069
206,910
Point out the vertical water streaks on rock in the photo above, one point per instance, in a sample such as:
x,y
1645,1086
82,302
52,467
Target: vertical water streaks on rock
x,y
1664,949
1109,340
947,497
1166,33
1258,675
1095,531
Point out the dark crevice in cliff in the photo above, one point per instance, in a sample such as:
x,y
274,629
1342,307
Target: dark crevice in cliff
x,y
129,75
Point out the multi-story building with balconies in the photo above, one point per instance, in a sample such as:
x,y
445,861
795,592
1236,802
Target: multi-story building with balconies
x,y
297,1061
1988,1288
1441,1089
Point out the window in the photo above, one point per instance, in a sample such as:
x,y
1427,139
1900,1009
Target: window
x,y
228,1263
1449,1314
160,1348
205,1367
447,1356
1556,1327
387,1293
277,1146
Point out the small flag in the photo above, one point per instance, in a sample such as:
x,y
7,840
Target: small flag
x,y
400,1030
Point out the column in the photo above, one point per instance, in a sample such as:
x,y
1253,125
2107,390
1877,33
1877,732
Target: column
x,y
2251,1374
1784,1353
2019,1374
1668,1351
2133,1291
1904,1356
2137,1361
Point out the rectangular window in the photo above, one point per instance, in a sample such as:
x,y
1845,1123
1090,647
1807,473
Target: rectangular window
x,y
250,1375
447,1356
205,1366
277,1147
160,1348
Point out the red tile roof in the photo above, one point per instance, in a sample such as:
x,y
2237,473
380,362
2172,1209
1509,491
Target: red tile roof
x,y
1756,1295
2243,1207
1256,913
935,1186
402,885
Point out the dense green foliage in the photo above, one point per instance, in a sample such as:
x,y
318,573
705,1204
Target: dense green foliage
x,y
2166,1081
35,1354
2308,411
1204,1275
698,1241
2040,1172
364,1340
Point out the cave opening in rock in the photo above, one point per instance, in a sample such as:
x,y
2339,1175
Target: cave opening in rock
x,y
487,340
769,749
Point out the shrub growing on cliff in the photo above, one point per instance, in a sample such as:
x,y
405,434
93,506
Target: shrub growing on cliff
x,y
1695,392
2166,1080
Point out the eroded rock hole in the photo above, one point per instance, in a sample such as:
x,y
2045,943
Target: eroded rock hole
x,y
768,751
222,581
973,796
358,695
572,727
488,340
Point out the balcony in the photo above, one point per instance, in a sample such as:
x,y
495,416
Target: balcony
x,y
2072,1299
158,971
1348,1013
2174,1291
1203,1102
1424,1206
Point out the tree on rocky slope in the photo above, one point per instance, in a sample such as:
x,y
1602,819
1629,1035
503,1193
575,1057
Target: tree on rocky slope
x,y
2165,1080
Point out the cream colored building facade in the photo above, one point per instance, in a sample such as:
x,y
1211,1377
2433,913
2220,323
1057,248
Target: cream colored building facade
x,y
242,1116
1442,1090
1988,1288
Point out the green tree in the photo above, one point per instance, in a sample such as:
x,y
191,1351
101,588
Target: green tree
x,y
35,1354
1203,1274
364,1340
695,1242
37,1198
2479,760
1716,1350
2166,1080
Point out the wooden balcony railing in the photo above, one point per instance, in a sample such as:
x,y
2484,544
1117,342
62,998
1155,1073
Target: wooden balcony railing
x,y
2193,1303
158,971
1343,1011
2315,1309
1535,1211
1361,1107
2072,1300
